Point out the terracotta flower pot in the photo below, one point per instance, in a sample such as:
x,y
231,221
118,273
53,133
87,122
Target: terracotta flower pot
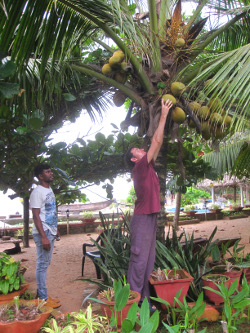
x,y
10,296
25,326
209,280
234,273
108,308
167,289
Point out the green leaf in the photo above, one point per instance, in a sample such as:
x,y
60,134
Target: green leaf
x,y
121,298
69,97
35,123
7,89
7,69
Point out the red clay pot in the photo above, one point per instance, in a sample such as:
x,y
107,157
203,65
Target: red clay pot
x,y
27,326
246,272
108,308
233,274
210,295
10,296
167,289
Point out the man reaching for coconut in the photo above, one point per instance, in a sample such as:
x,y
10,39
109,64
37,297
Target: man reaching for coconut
x,y
143,224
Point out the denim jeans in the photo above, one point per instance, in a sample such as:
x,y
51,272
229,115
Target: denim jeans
x,y
42,263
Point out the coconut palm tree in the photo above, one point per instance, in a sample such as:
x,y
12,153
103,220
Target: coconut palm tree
x,y
159,48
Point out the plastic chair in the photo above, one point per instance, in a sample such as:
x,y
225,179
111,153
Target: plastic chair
x,y
95,255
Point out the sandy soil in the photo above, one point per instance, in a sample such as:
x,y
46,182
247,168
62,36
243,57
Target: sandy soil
x,y
67,257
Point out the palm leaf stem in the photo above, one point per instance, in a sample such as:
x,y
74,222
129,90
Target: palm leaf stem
x,y
164,15
136,64
107,47
154,36
129,92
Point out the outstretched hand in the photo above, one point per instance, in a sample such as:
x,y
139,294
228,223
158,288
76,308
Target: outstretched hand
x,y
165,106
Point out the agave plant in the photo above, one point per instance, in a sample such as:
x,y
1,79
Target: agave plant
x,y
174,254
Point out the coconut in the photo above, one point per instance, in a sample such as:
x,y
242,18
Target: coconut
x,y
191,123
120,77
204,112
205,130
114,61
177,88
215,104
120,54
178,115
180,42
119,98
170,97
207,82
227,121
216,118
218,133
194,106
106,69
124,65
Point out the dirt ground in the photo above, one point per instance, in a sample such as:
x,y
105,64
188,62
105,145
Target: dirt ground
x,y
65,267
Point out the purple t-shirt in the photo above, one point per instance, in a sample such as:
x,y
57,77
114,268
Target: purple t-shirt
x,y
147,188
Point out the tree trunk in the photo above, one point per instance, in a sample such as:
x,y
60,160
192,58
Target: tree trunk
x,y
177,210
234,188
26,222
161,169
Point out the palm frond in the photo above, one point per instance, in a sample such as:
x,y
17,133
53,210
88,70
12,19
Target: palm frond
x,y
241,165
224,160
232,68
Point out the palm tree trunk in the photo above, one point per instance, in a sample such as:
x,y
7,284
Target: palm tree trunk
x,y
26,222
177,210
161,168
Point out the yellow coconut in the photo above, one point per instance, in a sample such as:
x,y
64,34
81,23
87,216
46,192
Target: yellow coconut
x,y
114,61
204,112
106,69
178,115
180,42
205,130
216,118
124,65
120,77
207,82
215,104
194,106
170,97
177,88
120,54
228,121
119,98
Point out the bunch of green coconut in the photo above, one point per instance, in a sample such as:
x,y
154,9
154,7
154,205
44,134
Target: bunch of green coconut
x,y
116,68
214,121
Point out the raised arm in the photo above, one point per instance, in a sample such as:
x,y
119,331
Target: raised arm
x,y
158,135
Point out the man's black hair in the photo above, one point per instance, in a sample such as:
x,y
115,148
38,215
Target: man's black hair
x,y
39,169
128,157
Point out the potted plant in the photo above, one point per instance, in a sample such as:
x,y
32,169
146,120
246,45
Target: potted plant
x,y
23,316
215,208
237,208
210,282
116,302
11,278
82,321
88,216
168,282
189,210
232,271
